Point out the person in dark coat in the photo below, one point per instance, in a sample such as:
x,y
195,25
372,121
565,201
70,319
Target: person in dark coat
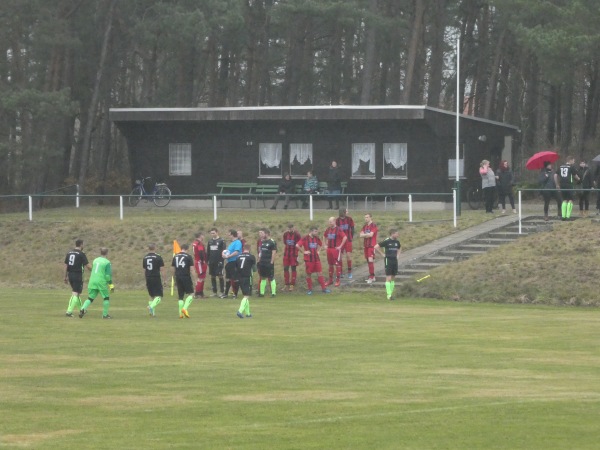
x,y
334,185
586,183
286,188
505,181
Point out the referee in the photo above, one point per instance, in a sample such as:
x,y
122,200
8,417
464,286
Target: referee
x,y
392,250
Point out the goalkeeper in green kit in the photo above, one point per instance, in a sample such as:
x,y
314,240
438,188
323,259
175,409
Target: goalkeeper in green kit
x,y
100,283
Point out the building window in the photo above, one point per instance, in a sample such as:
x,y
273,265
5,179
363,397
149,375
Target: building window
x,y
180,159
301,159
363,160
269,165
395,158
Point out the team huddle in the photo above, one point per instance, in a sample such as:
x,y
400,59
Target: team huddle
x,y
231,267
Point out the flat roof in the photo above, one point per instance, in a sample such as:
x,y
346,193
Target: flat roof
x,y
250,113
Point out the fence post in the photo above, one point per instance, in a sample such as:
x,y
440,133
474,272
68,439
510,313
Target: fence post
x,y
77,197
455,210
310,201
30,209
121,207
520,230
214,208
410,217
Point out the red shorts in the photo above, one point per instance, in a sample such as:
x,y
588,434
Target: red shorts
x,y
348,247
369,252
313,267
290,260
201,269
334,257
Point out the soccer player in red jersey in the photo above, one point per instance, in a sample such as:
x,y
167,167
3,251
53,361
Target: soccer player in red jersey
x,y
369,233
200,264
345,222
290,256
336,240
310,246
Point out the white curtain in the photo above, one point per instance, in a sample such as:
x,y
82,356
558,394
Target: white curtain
x,y
270,155
395,154
364,153
301,153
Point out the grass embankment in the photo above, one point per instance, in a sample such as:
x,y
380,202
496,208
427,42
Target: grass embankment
x,y
34,251
338,372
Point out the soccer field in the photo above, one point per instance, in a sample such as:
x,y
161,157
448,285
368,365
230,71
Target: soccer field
x,y
332,371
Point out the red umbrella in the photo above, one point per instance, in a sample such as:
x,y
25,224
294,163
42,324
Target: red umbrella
x,y
537,161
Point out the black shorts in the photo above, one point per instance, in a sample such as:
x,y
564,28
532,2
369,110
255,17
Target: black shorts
x,y
154,286
76,281
231,270
391,266
567,195
266,269
245,285
184,286
215,269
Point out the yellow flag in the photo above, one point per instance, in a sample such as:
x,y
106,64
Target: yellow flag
x,y
176,249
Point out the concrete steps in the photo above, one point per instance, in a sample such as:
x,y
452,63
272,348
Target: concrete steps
x,y
461,251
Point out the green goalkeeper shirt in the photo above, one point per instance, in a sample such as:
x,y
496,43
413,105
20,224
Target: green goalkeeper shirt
x,y
101,272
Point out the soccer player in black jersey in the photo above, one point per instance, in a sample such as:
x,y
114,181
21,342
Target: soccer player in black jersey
x,y
564,179
266,264
245,264
182,263
214,250
75,261
392,250
153,265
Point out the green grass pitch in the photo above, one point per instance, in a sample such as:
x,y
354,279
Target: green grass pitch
x,y
346,370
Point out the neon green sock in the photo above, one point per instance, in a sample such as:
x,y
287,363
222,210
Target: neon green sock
x,y
180,306
569,209
105,305
247,307
393,284
273,286
263,286
242,305
388,288
188,301
563,209
154,303
78,302
71,304
86,304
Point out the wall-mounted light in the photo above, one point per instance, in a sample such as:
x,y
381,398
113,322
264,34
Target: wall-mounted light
x,y
482,138
248,143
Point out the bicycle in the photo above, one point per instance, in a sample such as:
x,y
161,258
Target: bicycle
x,y
160,195
475,197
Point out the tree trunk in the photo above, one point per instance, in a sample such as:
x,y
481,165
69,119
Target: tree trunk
x,y
436,60
414,48
87,137
370,57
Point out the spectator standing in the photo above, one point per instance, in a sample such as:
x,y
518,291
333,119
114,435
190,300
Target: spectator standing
x,y
586,183
505,181
311,186
369,235
346,223
153,265
549,190
488,185
290,256
75,262
392,248
310,246
334,185
285,189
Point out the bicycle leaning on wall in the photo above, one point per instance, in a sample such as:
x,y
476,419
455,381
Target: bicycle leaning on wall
x,y
160,194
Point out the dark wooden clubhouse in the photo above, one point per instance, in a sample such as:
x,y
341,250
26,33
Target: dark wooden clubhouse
x,y
380,149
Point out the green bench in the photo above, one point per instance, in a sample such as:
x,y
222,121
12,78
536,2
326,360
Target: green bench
x,y
244,189
264,191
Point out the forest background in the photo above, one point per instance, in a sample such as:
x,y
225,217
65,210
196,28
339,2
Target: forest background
x,y
531,63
